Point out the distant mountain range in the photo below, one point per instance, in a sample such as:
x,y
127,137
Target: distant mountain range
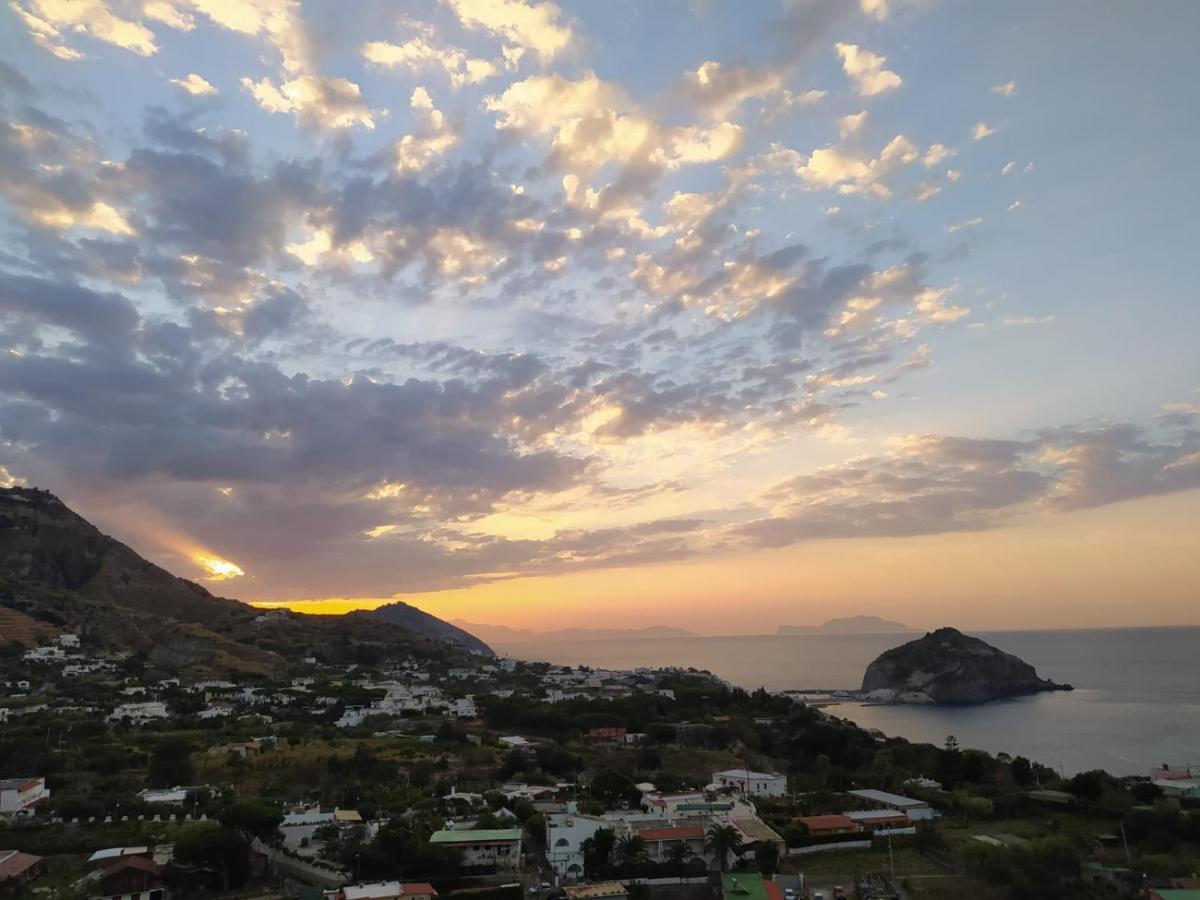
x,y
847,625
502,634
59,572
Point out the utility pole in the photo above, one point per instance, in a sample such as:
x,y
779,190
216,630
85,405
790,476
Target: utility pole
x,y
1125,841
891,858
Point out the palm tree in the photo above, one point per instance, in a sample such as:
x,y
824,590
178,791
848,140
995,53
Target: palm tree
x,y
721,841
631,848
678,854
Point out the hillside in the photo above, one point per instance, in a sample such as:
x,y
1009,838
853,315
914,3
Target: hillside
x,y
949,667
58,569
423,623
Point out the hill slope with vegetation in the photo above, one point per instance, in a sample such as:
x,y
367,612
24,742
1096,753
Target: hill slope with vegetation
x,y
59,571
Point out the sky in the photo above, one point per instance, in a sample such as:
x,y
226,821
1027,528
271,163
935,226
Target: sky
x,y
552,314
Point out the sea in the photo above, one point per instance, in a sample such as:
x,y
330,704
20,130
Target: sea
x,y
1136,703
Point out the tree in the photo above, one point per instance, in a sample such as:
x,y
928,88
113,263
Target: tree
x,y
171,762
211,846
253,819
679,853
767,857
723,841
1022,771
1089,785
598,850
631,848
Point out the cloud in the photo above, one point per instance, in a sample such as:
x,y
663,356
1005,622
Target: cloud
x,y
719,90
195,85
1007,89
875,9
418,54
415,151
982,130
866,70
847,171
936,154
47,20
925,190
317,101
932,484
966,223
532,26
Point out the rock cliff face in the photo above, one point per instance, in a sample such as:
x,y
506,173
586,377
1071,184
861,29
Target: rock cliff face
x,y
948,667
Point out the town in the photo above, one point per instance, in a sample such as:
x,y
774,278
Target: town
x,y
476,777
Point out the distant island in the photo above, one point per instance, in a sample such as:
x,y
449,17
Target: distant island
x,y
503,634
949,667
847,625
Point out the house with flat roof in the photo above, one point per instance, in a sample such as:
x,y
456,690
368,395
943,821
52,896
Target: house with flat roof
x,y
20,796
751,783
917,810
387,890
498,847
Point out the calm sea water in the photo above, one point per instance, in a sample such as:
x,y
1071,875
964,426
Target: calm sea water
x,y
1136,702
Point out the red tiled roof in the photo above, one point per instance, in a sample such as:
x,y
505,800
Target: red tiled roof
x,y
673,833
141,863
417,887
16,864
828,823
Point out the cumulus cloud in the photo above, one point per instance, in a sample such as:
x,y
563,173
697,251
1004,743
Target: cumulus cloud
x,y
317,101
194,85
847,171
48,22
982,130
719,90
421,52
865,69
415,151
536,27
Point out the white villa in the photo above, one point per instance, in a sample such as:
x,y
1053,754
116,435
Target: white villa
x,y
749,782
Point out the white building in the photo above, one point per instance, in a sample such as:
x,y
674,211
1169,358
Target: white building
x,y
20,796
68,641
916,810
139,712
172,796
499,847
756,784
565,834
464,708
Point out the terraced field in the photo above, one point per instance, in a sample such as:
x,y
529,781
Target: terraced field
x,y
16,626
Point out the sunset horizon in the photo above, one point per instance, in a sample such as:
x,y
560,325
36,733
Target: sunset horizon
x,y
541,316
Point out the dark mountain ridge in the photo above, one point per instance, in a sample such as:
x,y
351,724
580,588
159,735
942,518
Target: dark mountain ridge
x,y
58,568
421,622
949,667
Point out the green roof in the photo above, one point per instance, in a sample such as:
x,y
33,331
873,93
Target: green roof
x,y
475,836
743,886
1176,893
